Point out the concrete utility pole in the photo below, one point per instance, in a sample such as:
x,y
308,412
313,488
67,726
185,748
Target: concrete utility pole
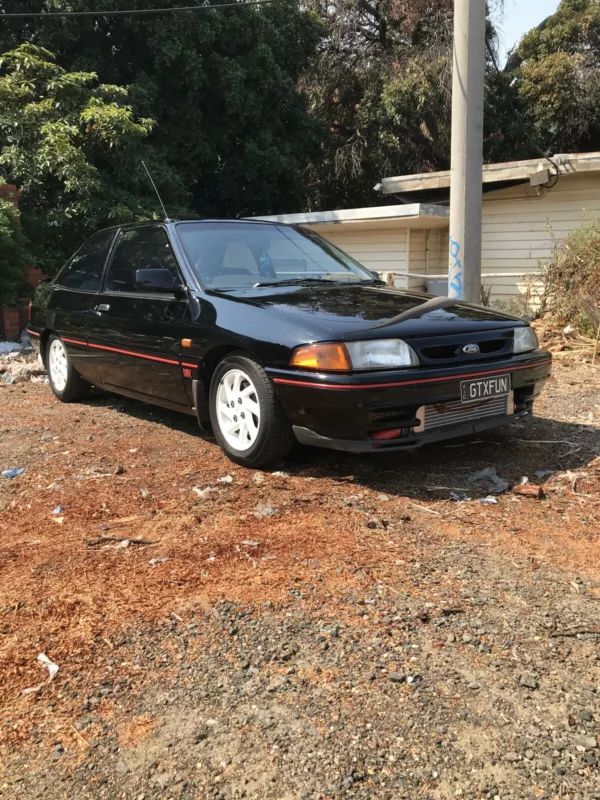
x,y
468,73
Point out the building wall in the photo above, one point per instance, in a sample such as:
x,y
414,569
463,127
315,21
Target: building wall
x,y
379,249
521,229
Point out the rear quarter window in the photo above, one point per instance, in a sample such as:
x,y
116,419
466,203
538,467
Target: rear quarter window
x,y
84,270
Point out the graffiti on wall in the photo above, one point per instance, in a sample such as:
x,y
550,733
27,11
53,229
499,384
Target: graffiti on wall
x,y
455,275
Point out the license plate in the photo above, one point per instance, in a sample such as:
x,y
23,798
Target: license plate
x,y
484,388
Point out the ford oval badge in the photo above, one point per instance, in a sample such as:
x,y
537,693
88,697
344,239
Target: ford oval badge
x,y
471,349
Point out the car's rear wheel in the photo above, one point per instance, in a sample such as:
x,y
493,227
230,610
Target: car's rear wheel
x,y
66,383
247,418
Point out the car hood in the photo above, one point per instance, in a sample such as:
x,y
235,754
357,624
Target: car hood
x,y
349,311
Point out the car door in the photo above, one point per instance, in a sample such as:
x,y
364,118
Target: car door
x,y
134,335
68,311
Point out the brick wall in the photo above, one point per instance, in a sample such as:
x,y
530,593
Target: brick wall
x,y
11,319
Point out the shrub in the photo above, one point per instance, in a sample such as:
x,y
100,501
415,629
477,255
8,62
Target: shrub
x,y
13,256
572,280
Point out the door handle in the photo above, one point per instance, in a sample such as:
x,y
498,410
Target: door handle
x,y
101,307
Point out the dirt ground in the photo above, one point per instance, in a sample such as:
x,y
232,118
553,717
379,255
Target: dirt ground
x,y
337,628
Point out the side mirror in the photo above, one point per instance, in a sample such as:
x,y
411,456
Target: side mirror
x,y
155,280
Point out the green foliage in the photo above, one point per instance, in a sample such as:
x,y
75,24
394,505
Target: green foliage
x,y
382,85
72,144
554,78
572,279
232,135
13,256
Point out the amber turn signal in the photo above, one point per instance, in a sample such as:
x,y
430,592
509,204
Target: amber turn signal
x,y
326,357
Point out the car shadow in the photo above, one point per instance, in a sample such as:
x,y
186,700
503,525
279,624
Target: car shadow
x,y
176,420
534,448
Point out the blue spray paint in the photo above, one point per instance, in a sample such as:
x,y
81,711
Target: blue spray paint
x,y
455,275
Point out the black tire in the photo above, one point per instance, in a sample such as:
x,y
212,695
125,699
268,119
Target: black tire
x,y
75,388
275,437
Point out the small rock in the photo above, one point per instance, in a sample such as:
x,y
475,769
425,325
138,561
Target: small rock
x,y
584,715
225,479
276,684
377,524
397,677
264,510
163,779
154,561
529,681
587,742
121,768
120,470
200,734
57,752
473,686
511,757
383,497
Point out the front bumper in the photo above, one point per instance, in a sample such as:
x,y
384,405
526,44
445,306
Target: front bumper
x,y
345,412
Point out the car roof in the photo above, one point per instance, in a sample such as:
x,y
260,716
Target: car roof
x,y
172,222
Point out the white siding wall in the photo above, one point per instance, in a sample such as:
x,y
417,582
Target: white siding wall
x,y
417,256
382,250
521,229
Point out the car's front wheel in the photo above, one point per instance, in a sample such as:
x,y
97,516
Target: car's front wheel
x,y
66,383
247,418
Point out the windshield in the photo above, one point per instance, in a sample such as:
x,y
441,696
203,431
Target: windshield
x,y
232,255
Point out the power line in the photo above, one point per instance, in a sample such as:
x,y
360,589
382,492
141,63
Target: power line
x,y
131,11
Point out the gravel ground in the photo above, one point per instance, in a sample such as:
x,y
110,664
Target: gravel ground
x,y
338,628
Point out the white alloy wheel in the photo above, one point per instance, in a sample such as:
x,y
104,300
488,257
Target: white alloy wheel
x,y
238,409
58,365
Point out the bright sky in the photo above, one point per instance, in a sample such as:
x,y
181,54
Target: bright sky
x,y
519,17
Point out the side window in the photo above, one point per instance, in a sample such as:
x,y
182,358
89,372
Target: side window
x,y
139,248
84,270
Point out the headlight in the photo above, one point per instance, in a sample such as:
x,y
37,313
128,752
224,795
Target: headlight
x,y
525,340
373,354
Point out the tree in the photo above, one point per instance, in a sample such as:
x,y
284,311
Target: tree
x,y
72,144
220,85
553,80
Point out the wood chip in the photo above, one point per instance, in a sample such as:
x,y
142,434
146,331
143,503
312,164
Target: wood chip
x,y
529,490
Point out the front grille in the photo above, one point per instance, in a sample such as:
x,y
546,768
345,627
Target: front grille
x,y
440,415
491,344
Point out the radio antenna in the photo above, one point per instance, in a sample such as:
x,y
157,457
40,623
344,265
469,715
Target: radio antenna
x,y
162,205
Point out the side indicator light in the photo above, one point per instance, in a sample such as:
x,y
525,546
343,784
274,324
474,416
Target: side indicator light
x,y
186,342
187,373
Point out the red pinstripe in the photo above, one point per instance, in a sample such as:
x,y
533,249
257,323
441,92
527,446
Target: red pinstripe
x,y
74,341
126,352
33,333
290,382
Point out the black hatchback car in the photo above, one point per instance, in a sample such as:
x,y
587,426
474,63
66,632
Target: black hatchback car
x,y
271,334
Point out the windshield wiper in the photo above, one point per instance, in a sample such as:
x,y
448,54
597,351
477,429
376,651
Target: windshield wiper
x,y
293,281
